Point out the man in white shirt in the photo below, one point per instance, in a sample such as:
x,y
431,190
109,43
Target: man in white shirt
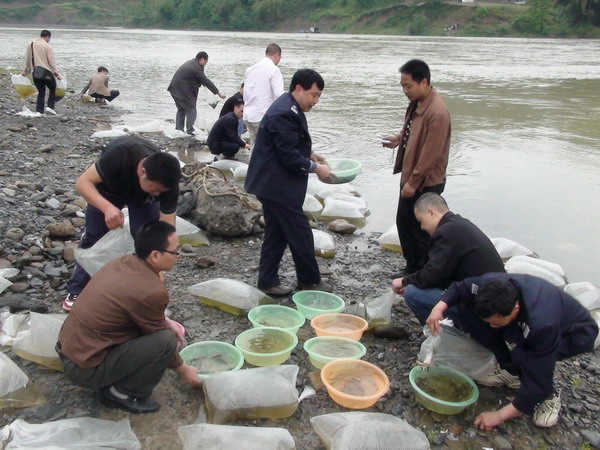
x,y
263,84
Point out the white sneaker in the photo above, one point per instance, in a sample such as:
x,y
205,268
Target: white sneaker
x,y
546,414
50,111
501,377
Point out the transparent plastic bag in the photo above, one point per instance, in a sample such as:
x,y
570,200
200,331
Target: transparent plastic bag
x,y
23,86
379,309
79,433
586,293
367,430
390,240
4,283
540,268
457,350
11,326
37,338
324,244
265,392
232,296
228,167
240,173
189,233
153,126
112,245
206,436
16,390
507,248
61,87
312,207
340,209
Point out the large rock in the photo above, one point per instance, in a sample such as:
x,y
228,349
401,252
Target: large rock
x,y
221,207
61,230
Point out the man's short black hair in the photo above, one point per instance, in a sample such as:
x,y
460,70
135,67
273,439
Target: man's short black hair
x,y
417,69
202,55
496,297
306,78
162,168
431,200
237,103
102,69
273,49
45,33
152,236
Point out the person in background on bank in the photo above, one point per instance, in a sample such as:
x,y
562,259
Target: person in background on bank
x,y
132,172
98,87
223,139
423,149
117,338
457,250
278,172
230,103
263,84
529,324
184,89
40,62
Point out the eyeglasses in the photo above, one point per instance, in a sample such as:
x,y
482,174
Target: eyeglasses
x,y
176,253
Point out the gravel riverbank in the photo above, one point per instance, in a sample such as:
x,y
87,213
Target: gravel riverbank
x,y
41,158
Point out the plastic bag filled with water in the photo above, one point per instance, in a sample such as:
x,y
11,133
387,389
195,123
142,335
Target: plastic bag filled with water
x,y
324,244
232,296
206,436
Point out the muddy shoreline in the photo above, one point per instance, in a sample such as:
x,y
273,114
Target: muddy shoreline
x,y
41,158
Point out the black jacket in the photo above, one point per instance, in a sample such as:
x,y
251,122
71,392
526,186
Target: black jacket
x,y
280,162
230,103
457,250
224,130
186,82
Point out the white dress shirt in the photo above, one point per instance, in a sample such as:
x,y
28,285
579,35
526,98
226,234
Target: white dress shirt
x,y
263,84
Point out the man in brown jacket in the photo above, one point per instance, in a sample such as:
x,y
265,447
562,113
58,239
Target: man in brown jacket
x,y
98,87
39,54
424,145
117,338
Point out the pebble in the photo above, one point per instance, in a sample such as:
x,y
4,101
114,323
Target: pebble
x,y
68,254
341,226
61,230
501,443
52,203
16,234
205,262
9,192
19,286
593,437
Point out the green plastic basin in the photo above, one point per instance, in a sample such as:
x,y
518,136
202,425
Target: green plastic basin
x,y
315,303
323,349
276,316
211,357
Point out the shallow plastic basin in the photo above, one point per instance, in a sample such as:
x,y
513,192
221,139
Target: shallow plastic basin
x,y
345,170
430,401
266,346
315,303
276,316
324,349
211,357
343,325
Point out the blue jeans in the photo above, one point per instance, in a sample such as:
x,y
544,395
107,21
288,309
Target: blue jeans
x,y
422,301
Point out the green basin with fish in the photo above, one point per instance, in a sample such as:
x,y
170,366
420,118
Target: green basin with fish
x,y
278,316
344,170
212,357
266,346
442,389
324,349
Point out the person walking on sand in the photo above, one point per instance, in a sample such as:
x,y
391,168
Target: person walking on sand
x,y
40,62
98,87
184,89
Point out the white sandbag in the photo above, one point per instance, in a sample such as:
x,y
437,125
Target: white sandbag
x,y
16,390
324,244
78,433
312,207
112,245
228,166
586,293
316,186
4,283
596,316
534,269
367,430
232,296
390,240
150,127
339,209
507,248
9,272
264,392
36,341
26,112
350,198
109,133
23,86
189,233
206,436
457,350
240,173
547,265
175,134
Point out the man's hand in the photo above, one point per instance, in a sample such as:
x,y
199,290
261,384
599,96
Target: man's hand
x,y
390,141
248,146
407,191
113,217
24,73
189,374
318,158
58,76
488,420
179,331
436,315
323,171
397,286
221,95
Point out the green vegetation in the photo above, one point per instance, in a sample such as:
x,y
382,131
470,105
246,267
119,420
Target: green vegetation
x,y
552,18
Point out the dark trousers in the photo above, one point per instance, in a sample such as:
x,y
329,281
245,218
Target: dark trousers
x,y
414,241
228,149
186,113
41,87
113,94
134,367
95,227
286,225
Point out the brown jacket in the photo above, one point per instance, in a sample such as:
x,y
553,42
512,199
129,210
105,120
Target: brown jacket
x,y
43,55
124,300
98,84
424,162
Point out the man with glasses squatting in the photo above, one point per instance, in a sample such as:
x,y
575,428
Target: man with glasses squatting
x,y
131,172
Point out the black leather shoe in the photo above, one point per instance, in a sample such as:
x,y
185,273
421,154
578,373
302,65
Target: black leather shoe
x,y
277,291
322,286
131,404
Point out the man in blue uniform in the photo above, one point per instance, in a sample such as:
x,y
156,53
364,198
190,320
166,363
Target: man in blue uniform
x,y
278,175
528,324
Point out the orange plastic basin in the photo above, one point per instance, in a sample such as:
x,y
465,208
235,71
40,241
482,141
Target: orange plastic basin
x,y
340,325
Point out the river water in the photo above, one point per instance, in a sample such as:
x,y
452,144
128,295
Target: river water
x,y
525,162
